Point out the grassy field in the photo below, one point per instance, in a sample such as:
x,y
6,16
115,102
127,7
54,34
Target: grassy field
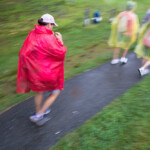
x,y
87,46
123,125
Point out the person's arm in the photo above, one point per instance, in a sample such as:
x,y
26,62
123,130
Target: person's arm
x,y
56,47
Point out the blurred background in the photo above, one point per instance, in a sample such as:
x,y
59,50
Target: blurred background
x,y
87,44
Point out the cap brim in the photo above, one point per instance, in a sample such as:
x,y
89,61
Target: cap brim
x,y
56,24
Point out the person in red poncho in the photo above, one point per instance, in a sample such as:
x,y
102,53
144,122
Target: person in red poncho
x,y
41,66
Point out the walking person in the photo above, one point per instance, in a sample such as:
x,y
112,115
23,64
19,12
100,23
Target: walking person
x,y
41,66
123,33
143,47
146,17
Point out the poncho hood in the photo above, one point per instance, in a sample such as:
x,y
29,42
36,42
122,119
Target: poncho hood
x,y
42,30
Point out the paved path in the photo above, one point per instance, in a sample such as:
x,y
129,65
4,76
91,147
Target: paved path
x,y
84,96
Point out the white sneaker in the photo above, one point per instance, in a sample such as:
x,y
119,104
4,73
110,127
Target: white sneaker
x,y
35,118
143,71
123,60
115,61
38,117
43,120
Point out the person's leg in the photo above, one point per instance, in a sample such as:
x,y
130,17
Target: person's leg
x,y
147,63
143,70
123,59
49,101
116,53
115,59
39,118
38,101
124,53
144,61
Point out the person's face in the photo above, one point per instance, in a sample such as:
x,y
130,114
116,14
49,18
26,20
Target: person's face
x,y
50,25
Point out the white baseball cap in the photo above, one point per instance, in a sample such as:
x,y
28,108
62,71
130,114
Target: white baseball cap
x,y
47,18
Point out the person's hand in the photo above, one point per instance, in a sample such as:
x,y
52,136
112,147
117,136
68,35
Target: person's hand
x,y
58,36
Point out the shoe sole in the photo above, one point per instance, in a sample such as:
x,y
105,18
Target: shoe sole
x,y
115,63
34,121
123,63
42,121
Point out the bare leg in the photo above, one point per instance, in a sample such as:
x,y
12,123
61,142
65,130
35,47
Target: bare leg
x,y
125,53
49,101
38,100
146,64
143,70
144,61
116,53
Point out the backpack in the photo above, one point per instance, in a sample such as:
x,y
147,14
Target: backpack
x,y
123,24
146,39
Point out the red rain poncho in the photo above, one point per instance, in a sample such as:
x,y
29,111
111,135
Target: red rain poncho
x,y
41,62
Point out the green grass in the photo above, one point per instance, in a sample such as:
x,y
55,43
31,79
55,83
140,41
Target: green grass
x,y
123,125
87,46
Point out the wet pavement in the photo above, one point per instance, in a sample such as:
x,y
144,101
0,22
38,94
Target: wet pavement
x,y
84,96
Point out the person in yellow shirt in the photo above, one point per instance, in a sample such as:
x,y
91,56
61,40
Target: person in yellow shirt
x,y
143,47
123,32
